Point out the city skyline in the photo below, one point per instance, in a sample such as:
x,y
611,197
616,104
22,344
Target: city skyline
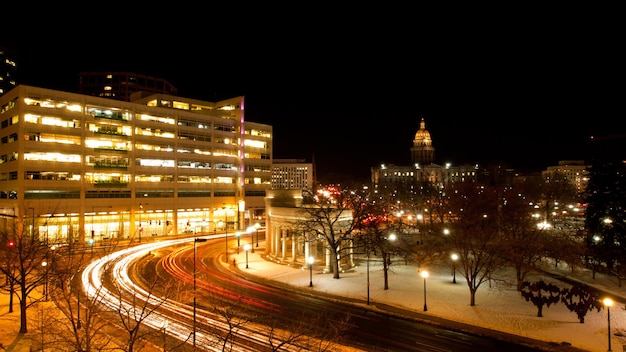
x,y
523,102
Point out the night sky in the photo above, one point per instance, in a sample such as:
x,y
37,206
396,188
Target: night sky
x,y
526,91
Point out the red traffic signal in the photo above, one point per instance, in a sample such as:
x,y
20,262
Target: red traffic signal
x,y
11,244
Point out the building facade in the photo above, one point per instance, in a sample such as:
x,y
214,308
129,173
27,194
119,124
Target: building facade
x,y
75,167
574,171
293,174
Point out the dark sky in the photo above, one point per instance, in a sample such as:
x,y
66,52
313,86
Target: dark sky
x,y
527,90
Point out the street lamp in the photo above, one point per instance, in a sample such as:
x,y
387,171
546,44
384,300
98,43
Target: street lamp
x,y
367,264
195,240
140,226
608,303
246,247
454,257
44,264
310,260
32,226
250,230
425,275
226,231
257,225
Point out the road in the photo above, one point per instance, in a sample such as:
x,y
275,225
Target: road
x,y
274,306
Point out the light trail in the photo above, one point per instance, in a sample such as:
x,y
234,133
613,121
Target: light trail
x,y
119,263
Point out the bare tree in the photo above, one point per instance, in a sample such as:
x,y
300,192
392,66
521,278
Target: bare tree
x,y
525,243
22,257
332,215
232,316
83,323
132,314
475,232
305,333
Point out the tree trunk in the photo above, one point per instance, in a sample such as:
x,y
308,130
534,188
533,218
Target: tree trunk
x,y
334,262
23,325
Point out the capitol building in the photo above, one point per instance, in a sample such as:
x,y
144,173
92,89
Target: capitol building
x,y
423,167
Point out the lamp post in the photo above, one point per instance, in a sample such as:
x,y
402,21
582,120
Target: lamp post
x,y
32,226
250,230
238,235
608,303
454,258
310,260
425,275
140,226
78,323
367,264
246,247
257,225
195,240
226,231
44,264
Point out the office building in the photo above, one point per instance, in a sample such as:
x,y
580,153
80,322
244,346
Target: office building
x,y
293,174
75,167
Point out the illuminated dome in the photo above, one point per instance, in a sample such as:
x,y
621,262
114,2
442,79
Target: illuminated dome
x,y
422,152
422,136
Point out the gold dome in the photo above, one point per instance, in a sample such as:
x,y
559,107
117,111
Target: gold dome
x,y
422,134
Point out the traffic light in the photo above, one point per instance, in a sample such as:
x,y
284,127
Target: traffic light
x,y
11,244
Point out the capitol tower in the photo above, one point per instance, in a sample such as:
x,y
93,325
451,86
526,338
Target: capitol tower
x,y
422,151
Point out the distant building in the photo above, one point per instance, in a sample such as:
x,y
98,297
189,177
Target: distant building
x,y
575,171
121,85
292,174
423,168
8,70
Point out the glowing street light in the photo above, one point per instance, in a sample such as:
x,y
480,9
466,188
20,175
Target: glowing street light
x,y
257,225
425,275
246,247
251,230
454,257
608,303
310,260
44,264
226,231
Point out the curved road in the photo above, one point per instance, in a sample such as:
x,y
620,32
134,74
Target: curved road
x,y
262,300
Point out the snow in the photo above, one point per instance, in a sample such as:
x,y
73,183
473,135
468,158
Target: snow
x,y
498,306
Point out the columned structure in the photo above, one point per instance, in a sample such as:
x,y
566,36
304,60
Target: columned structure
x,y
286,241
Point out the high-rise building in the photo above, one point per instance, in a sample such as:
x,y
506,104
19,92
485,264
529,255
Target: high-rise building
x,y
121,85
8,70
75,167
